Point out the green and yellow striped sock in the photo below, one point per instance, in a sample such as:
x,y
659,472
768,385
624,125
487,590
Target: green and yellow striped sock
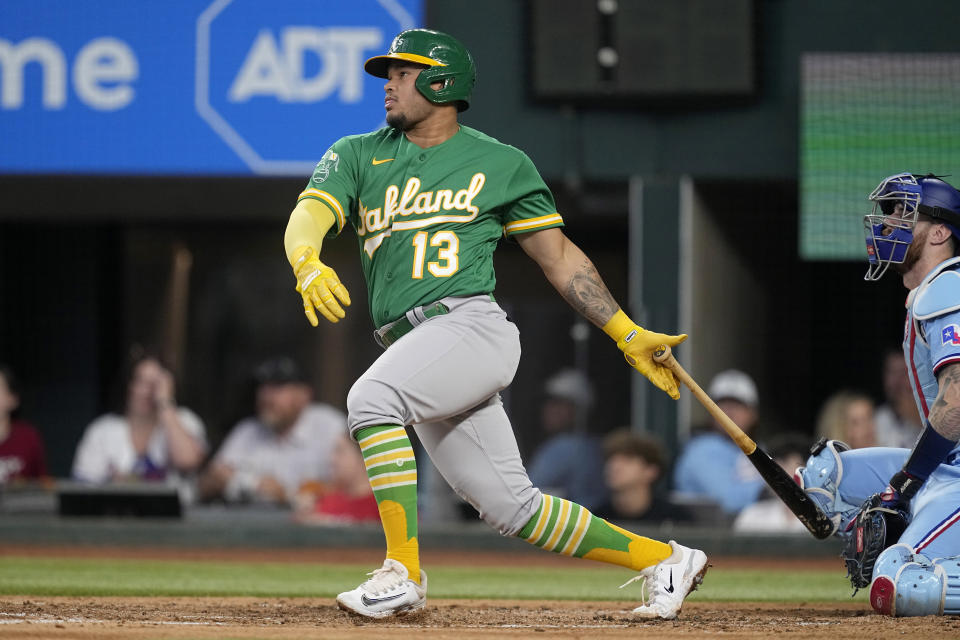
x,y
392,470
565,527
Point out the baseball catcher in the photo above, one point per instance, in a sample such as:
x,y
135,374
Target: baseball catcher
x,y
898,509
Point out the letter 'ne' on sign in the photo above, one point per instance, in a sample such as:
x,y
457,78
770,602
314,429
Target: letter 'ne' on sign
x,y
273,68
103,71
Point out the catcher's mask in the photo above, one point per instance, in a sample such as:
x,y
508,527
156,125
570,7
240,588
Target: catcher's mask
x,y
446,59
897,203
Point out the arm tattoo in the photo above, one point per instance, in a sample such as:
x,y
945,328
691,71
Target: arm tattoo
x,y
587,293
945,412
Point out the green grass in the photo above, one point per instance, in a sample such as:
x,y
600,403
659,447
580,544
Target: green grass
x,y
103,577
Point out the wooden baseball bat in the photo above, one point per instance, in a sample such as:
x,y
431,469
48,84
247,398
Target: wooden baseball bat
x,y
176,307
806,510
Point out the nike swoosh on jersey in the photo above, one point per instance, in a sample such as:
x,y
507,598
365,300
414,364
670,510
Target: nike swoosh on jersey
x,y
369,601
376,162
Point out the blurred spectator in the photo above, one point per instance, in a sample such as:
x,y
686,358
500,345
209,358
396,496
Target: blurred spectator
x,y
289,442
848,416
633,465
711,466
153,440
569,463
897,419
771,515
21,448
347,497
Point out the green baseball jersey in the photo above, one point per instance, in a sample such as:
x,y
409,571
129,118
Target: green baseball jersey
x,y
428,220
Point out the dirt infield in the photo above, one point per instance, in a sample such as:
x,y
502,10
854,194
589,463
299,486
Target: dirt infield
x,y
147,618
135,618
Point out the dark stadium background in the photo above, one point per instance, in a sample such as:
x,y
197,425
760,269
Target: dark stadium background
x,y
85,261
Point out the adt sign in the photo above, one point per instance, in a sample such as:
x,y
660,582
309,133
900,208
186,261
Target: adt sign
x,y
274,79
225,87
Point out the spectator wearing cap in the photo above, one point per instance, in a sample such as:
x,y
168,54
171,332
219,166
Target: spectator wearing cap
x,y
570,461
288,444
711,467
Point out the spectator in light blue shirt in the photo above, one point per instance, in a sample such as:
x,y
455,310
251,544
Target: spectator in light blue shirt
x,y
711,466
570,462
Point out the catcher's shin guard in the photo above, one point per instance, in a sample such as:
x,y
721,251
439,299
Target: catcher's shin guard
x,y
951,597
908,584
821,478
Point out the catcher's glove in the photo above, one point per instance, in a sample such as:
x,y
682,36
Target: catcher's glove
x,y
876,527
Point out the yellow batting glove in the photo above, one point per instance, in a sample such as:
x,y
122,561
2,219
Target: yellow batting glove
x,y
638,346
320,287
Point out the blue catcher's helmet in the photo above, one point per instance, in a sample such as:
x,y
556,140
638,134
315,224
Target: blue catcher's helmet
x,y
897,203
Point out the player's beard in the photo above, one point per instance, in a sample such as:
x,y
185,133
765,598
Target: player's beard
x,y
398,121
914,250
409,117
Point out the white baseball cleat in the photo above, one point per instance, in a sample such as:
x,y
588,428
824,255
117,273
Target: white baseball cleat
x,y
670,581
388,592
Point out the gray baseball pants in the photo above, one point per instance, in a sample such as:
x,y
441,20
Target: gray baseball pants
x,y
443,378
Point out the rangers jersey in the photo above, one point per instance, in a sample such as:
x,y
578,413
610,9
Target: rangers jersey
x,y
932,332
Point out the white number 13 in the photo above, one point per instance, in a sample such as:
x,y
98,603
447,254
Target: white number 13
x,y
447,259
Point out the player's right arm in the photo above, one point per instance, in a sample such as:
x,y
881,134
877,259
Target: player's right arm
x,y
945,412
936,441
575,277
317,283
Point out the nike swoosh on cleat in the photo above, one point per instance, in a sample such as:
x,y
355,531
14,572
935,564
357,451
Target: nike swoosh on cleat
x,y
372,601
670,588
376,162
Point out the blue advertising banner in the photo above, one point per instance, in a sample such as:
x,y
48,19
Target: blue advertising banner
x,y
188,86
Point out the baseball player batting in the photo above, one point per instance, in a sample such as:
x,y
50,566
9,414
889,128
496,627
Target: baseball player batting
x,y
899,509
429,200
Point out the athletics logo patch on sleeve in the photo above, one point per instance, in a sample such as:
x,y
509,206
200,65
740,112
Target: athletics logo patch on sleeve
x,y
950,335
329,162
